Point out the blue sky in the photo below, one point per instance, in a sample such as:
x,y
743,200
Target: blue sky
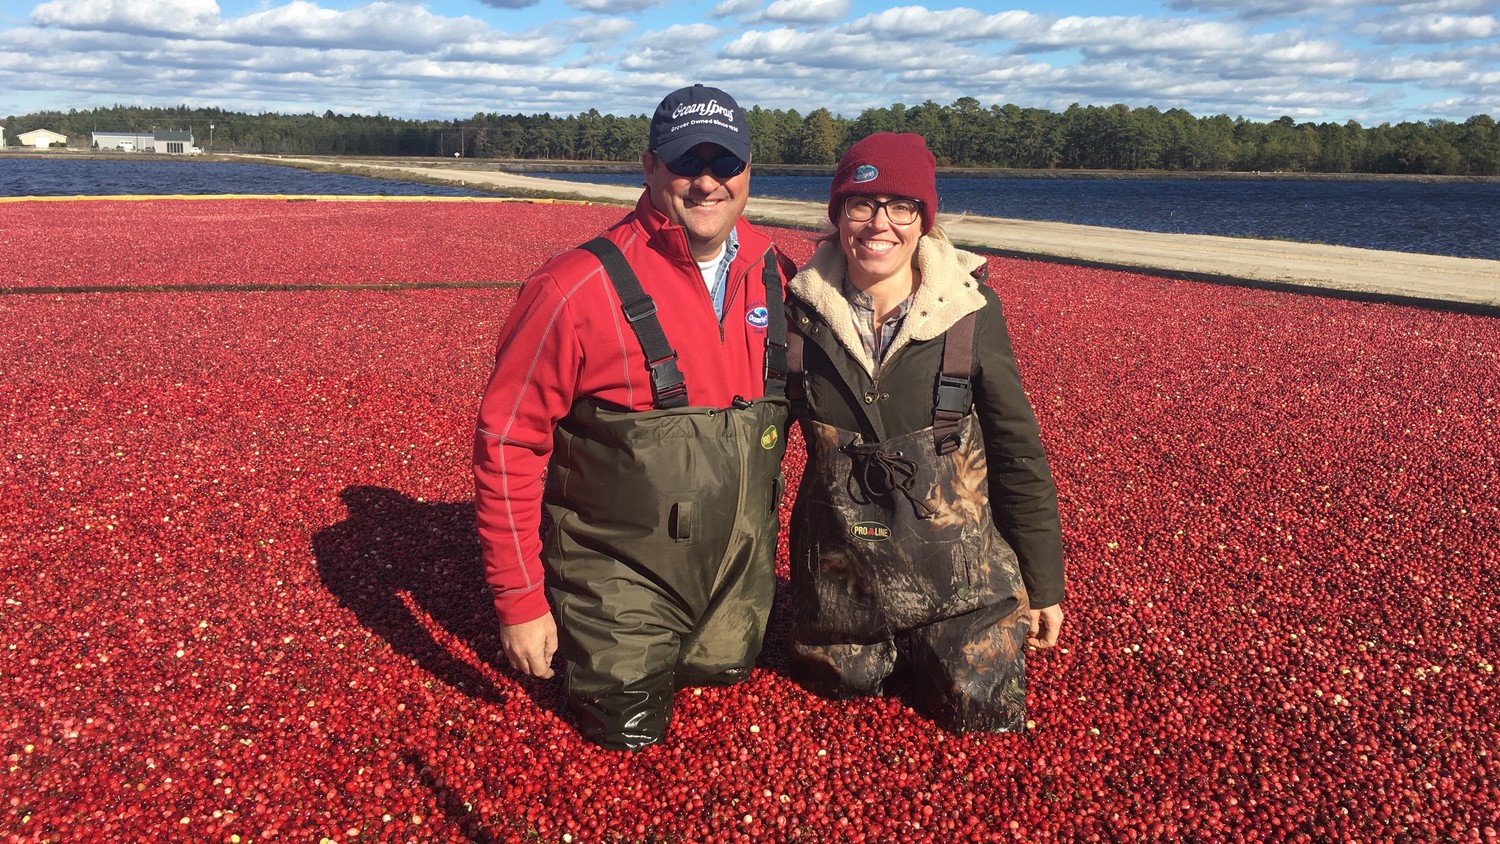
x,y
1309,59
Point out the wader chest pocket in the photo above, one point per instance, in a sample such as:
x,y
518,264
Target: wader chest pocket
x,y
682,522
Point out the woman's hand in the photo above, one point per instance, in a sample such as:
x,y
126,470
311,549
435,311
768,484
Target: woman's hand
x,y
1046,624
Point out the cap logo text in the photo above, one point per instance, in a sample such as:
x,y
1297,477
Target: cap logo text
x,y
865,173
708,109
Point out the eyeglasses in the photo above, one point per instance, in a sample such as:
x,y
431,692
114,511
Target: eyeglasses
x,y
725,166
901,212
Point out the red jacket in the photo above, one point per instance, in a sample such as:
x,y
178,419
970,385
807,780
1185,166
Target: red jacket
x,y
566,339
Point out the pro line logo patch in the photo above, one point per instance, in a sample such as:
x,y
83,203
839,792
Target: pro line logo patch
x,y
769,439
870,531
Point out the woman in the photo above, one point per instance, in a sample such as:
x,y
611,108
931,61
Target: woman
x,y
927,516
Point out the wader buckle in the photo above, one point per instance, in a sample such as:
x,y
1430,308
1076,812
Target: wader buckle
x,y
954,395
951,403
667,383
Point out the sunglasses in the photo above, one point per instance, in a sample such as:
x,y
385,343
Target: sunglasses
x,y
689,165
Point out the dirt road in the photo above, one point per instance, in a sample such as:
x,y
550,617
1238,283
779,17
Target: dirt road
x,y
1464,283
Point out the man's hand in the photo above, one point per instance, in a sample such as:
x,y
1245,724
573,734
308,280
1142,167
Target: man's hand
x,y
1046,624
530,645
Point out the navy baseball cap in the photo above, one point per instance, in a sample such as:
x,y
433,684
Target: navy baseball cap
x,y
699,115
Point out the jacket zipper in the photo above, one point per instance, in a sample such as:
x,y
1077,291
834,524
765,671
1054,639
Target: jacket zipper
x,y
709,295
730,293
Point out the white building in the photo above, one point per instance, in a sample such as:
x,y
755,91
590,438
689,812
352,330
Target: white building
x,y
126,141
2,136
41,138
171,141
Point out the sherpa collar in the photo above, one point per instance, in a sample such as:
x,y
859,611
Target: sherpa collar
x,y
947,292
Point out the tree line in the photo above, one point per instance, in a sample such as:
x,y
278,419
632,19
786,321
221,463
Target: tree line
x,y
962,134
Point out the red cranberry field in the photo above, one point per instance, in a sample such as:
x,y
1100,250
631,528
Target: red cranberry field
x,y
242,597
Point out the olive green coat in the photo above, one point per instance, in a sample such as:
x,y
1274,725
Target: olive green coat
x,y
843,388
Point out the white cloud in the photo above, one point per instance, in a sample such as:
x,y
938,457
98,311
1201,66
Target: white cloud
x,y
729,8
380,25
168,16
1306,53
1439,7
1488,81
1405,69
772,44
907,22
680,37
614,7
806,11
816,52
1256,9
651,60
592,30
1434,29
529,51
1109,35
1326,59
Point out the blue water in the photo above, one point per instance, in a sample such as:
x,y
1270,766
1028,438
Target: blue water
x,y
1453,218
96,177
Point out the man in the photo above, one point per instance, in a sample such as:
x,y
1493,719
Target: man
x,y
644,372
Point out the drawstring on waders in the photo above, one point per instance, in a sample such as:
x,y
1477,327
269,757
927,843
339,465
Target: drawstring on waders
x,y
876,473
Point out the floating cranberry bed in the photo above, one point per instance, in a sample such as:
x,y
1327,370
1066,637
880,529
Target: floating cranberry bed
x,y
242,597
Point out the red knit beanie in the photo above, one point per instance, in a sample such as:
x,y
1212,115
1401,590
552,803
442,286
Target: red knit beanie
x,y
887,164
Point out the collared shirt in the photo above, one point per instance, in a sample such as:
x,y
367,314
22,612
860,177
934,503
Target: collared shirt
x,y
716,271
875,339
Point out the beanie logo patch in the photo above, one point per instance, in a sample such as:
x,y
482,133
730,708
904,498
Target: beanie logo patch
x,y
865,173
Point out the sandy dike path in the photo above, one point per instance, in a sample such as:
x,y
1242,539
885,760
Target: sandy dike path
x,y
1468,284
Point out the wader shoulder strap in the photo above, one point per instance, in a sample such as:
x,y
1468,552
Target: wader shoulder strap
x,y
777,344
954,393
796,351
668,388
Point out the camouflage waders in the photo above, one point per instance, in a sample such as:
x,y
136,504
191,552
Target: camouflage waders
x,y
896,538
661,557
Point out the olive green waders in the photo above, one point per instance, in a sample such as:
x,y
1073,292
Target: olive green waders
x,y
896,539
661,558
